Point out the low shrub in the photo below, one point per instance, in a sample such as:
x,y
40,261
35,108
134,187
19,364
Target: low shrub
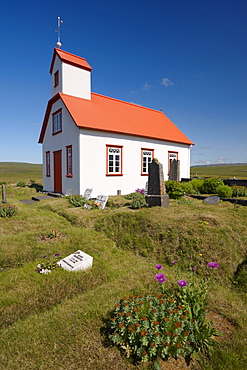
x,y
210,186
21,184
224,191
197,185
148,326
77,200
3,183
187,188
138,203
7,210
135,195
174,189
239,191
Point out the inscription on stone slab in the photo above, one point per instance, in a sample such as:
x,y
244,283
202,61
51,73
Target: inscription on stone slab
x,y
212,199
101,200
76,261
87,193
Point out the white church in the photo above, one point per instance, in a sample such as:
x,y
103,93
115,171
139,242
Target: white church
x,y
94,141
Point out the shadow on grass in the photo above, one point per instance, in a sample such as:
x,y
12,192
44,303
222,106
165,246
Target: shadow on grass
x,y
37,187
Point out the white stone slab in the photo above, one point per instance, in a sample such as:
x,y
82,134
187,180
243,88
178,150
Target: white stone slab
x,y
76,261
101,200
87,193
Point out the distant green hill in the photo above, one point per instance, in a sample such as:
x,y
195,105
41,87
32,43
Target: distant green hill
x,y
226,171
12,172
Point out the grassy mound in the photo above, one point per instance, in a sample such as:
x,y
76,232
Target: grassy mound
x,y
57,321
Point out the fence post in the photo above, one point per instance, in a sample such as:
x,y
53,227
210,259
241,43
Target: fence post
x,y
3,194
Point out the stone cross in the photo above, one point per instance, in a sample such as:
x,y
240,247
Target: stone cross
x,y
156,186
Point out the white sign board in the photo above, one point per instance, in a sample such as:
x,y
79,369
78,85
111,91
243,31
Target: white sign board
x,y
76,261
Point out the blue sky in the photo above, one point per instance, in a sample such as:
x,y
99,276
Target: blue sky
x,y
186,57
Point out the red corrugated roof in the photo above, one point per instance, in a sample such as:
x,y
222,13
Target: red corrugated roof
x,y
70,59
107,114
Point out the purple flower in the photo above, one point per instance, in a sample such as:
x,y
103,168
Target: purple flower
x,y
193,268
160,277
159,267
174,262
182,282
213,265
57,254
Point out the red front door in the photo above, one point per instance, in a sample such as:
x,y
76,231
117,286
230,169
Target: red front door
x,y
57,156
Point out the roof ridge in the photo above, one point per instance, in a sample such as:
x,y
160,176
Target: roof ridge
x,y
125,102
66,52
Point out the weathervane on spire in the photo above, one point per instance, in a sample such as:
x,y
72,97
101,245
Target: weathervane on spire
x,y
59,22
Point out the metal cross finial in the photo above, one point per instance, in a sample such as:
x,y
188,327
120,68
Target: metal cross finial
x,y
59,22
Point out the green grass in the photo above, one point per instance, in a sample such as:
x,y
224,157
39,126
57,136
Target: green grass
x,y
223,172
12,172
57,321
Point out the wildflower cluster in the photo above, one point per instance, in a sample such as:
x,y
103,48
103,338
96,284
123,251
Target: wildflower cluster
x,y
142,191
49,264
6,210
148,326
170,324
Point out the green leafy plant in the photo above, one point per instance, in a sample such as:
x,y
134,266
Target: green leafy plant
x,y
135,195
21,184
6,210
148,326
77,200
211,185
3,183
184,201
138,203
174,189
239,191
197,185
224,191
187,188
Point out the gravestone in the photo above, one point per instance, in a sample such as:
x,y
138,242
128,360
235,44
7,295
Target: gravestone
x,y
146,189
213,199
3,194
87,193
156,187
76,261
101,200
174,174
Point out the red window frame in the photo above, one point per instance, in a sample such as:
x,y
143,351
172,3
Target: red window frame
x,y
112,162
143,150
69,161
48,163
169,158
56,131
56,78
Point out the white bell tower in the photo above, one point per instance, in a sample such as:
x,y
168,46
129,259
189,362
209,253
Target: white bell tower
x,y
70,74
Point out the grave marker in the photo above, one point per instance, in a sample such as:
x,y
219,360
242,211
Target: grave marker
x,y
156,186
76,261
213,199
87,193
174,174
101,200
3,194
